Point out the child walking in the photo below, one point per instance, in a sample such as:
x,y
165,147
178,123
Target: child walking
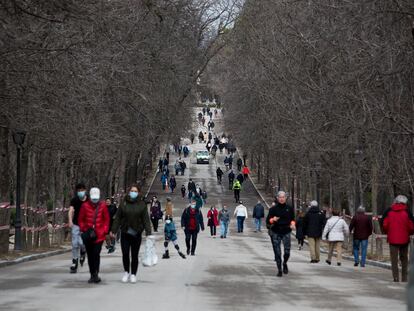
x,y
170,235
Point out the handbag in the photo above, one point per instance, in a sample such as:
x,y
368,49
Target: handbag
x,y
329,231
89,235
132,232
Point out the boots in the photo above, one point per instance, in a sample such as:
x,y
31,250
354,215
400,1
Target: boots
x,y
82,258
166,255
279,270
74,266
179,253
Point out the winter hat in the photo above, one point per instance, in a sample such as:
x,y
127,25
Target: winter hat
x,y
95,193
314,203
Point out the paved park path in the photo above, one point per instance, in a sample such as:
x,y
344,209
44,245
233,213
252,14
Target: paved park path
x,y
236,273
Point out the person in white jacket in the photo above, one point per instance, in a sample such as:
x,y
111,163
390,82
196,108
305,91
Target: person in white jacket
x,y
241,213
334,232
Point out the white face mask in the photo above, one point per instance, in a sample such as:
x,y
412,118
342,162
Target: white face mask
x,y
168,221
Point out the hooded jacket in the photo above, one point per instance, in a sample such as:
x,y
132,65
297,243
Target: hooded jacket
x,y
398,224
314,222
132,214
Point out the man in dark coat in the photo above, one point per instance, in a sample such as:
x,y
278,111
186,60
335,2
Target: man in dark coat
x,y
258,214
313,225
191,222
361,226
231,179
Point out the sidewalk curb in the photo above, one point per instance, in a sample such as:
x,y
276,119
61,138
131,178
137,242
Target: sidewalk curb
x,y
33,257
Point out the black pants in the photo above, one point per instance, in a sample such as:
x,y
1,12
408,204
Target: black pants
x,y
191,235
237,194
155,223
130,247
93,251
213,230
278,239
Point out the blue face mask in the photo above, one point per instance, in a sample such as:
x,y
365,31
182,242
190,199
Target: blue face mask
x,y
95,200
133,195
81,194
193,205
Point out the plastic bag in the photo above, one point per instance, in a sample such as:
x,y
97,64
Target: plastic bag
x,y
150,256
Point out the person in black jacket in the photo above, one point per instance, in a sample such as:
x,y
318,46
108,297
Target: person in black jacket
x,y
258,214
313,225
299,230
231,179
281,221
191,222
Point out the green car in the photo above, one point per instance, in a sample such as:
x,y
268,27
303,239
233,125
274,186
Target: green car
x,y
202,157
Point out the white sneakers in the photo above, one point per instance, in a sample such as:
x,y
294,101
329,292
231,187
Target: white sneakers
x,y
125,278
132,278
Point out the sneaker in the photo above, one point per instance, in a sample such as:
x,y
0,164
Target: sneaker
x,y
82,258
356,264
125,278
182,255
133,279
74,266
328,262
221,237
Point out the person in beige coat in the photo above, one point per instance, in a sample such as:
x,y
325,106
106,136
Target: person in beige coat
x,y
334,232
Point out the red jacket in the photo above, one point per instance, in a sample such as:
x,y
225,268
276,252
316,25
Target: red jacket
x,y
245,171
212,216
86,216
398,225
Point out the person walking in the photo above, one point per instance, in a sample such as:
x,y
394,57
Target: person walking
x,y
112,209
334,232
192,138
231,177
245,172
169,206
170,235
361,227
94,225
241,213
177,167
398,224
132,219
183,167
226,163
230,161
212,222
78,248
258,214
173,183
191,189
299,230
239,164
280,222
183,191
219,174
313,225
236,189
224,219
191,222
164,180
156,213
240,178
200,137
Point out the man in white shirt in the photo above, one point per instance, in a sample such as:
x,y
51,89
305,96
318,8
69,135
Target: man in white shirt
x,y
241,213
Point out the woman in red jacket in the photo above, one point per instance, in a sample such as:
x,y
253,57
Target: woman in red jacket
x,y
245,172
398,224
94,215
212,217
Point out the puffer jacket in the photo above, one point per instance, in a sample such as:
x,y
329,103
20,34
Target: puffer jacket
x,y
87,215
398,224
170,232
337,229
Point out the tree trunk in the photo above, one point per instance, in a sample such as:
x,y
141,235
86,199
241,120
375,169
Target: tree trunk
x,y
4,165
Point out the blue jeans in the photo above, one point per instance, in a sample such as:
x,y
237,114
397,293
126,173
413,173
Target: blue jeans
x,y
258,222
240,223
363,244
224,226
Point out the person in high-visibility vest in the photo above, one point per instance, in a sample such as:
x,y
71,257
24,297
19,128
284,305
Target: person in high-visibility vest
x,y
236,189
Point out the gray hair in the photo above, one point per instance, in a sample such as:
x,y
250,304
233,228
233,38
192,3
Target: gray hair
x,y
401,199
280,193
314,203
361,209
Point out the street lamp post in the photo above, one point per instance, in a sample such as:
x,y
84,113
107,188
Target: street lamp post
x,y
318,168
18,139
